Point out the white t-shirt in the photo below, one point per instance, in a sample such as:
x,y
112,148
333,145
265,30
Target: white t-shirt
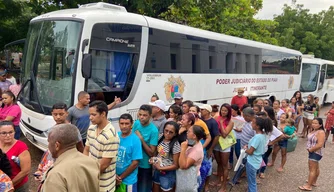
x,y
237,134
272,136
12,80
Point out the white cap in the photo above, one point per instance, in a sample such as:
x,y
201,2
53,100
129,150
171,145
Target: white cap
x,y
158,103
206,107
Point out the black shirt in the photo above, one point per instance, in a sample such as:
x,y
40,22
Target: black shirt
x,y
213,129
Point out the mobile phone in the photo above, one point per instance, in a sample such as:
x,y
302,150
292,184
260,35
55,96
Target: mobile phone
x,y
191,142
36,175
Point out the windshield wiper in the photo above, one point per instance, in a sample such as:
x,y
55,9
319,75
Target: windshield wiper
x,y
34,86
32,81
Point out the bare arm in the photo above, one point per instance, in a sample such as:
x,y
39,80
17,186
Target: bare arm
x,y
321,140
25,165
104,164
224,132
9,118
250,151
207,141
214,143
130,169
185,162
149,150
276,140
117,100
86,150
80,146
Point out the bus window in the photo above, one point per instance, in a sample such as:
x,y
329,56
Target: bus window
x,y
309,77
330,72
114,49
274,62
231,63
322,76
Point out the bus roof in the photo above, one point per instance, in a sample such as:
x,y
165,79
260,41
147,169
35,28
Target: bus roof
x,y
116,14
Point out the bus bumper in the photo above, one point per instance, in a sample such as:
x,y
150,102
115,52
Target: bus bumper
x,y
40,141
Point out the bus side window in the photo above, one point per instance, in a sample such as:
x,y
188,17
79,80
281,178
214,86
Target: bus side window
x,y
330,72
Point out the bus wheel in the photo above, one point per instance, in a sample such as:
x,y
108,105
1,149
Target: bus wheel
x,y
324,100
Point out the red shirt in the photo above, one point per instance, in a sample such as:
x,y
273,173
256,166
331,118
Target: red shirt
x,y
16,150
240,101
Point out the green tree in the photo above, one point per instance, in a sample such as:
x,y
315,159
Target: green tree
x,y
14,20
309,33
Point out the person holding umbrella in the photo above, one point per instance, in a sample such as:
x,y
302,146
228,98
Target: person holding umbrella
x,y
255,149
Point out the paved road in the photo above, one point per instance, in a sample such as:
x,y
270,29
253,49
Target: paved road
x,y
295,174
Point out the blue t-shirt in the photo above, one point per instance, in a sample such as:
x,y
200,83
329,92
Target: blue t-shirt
x,y
150,134
259,143
129,150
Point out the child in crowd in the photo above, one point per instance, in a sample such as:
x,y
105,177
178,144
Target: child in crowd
x,y
290,128
255,149
317,109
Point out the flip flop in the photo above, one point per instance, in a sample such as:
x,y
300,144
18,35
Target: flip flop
x,y
304,189
261,176
314,185
213,183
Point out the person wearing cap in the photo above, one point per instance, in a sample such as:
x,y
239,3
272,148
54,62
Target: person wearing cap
x,y
239,99
214,132
4,83
158,114
178,99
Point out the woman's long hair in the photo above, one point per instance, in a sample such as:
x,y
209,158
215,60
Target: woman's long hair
x,y
299,100
271,114
265,124
10,94
177,110
321,122
174,139
229,113
4,164
236,108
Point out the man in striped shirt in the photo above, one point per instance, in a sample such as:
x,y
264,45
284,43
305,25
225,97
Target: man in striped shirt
x,y
102,144
247,130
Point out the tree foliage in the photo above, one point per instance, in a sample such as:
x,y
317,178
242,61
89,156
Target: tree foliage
x,y
309,33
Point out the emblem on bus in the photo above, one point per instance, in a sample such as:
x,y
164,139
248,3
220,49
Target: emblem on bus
x,y
290,82
174,85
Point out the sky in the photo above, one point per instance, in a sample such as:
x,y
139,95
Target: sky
x,y
272,7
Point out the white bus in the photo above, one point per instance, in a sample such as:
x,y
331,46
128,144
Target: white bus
x,y
108,52
317,78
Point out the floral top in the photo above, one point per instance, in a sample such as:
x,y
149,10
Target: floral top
x,y
6,183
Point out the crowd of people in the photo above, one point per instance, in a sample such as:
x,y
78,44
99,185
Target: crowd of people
x,y
165,149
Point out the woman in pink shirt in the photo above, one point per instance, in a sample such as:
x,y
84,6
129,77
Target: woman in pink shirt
x,y
10,111
192,151
15,88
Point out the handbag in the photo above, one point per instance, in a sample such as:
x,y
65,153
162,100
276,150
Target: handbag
x,y
292,143
186,180
121,188
227,141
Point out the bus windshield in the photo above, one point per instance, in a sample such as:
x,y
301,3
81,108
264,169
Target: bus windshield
x,y
49,62
309,77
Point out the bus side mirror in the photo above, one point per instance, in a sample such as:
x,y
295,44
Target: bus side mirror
x,y
86,67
